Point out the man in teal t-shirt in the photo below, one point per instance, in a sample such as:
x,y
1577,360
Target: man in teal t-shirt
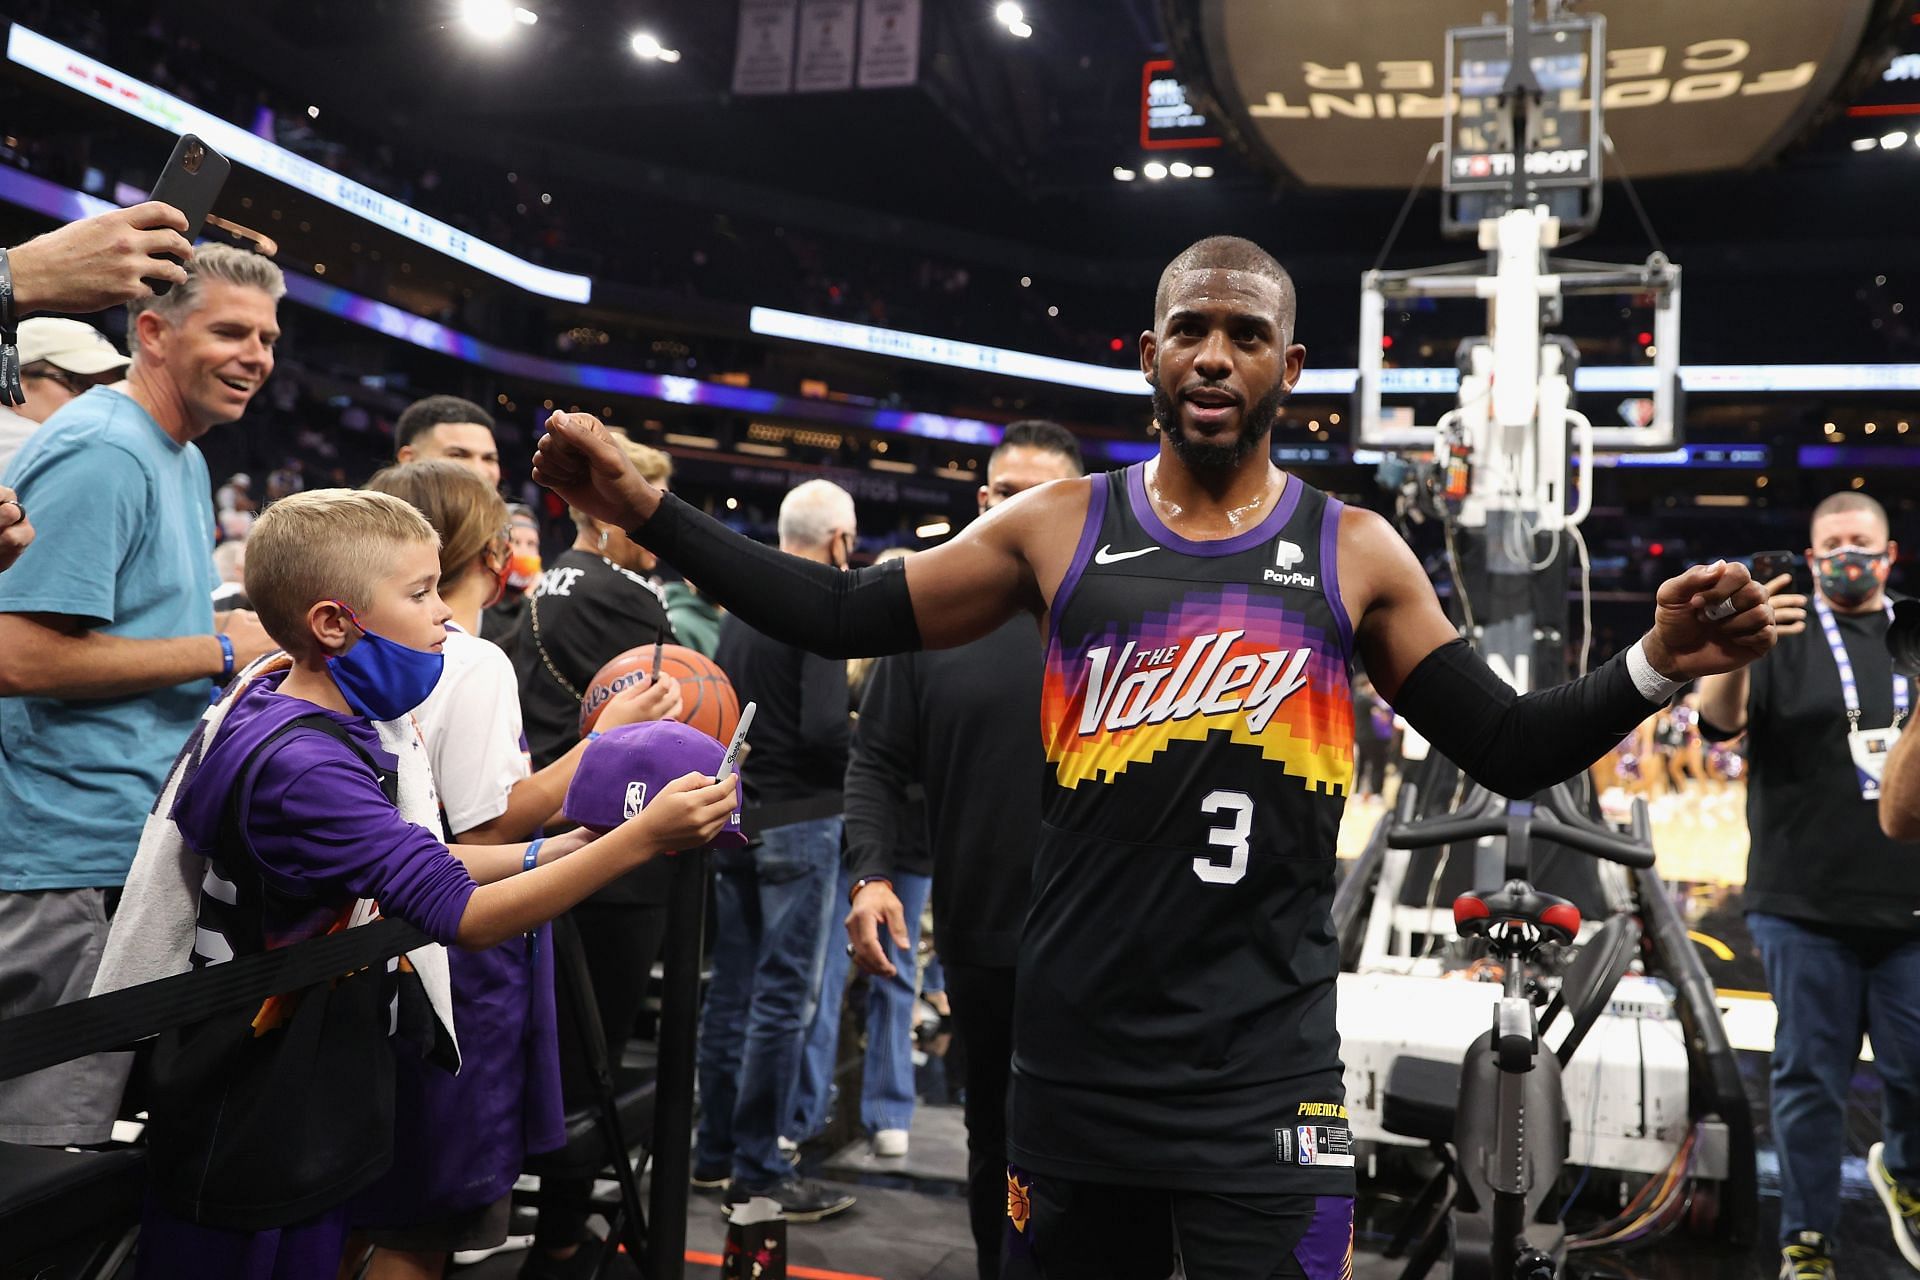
x,y
107,647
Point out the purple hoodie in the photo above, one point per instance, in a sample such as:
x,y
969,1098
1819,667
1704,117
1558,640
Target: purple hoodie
x,y
321,830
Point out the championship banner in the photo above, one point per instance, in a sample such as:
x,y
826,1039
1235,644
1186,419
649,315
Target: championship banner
x,y
763,55
825,63
889,43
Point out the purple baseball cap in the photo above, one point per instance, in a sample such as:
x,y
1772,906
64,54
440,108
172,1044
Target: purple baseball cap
x,y
627,766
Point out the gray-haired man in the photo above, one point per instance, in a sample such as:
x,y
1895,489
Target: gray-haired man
x,y
107,645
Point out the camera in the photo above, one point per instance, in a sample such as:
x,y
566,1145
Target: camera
x,y
1903,637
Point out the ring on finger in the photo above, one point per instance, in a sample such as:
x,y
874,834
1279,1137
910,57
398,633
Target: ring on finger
x,y
1719,610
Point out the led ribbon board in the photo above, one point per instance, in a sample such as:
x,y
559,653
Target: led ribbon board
x,y
927,349
104,84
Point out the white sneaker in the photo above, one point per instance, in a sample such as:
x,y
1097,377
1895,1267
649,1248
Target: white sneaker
x,y
512,1244
890,1144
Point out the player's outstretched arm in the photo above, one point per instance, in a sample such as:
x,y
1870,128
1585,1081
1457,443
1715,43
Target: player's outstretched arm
x,y
1519,744
1900,789
946,596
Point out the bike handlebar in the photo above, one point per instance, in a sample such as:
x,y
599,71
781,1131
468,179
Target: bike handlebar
x,y
1566,826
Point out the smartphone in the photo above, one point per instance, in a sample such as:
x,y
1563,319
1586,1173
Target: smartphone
x,y
732,757
1768,565
191,182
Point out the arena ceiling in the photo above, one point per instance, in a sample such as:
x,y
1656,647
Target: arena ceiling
x,y
1019,139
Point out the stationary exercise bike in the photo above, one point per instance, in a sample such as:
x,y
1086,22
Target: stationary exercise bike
x,y
1498,1119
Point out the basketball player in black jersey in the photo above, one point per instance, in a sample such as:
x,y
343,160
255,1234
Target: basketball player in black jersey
x,y
1177,1079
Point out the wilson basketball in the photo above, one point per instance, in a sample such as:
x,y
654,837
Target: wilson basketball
x,y
708,702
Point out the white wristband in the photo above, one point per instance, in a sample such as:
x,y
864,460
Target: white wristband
x,y
1653,686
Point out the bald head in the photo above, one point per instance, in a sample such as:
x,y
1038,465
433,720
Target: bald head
x,y
1852,500
1226,253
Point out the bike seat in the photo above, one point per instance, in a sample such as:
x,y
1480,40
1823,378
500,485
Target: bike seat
x,y
1513,905
1420,1099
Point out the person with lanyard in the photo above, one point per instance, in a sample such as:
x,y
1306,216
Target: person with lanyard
x,y
1834,905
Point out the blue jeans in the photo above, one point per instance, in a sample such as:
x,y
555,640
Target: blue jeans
x,y
1828,991
773,914
886,1093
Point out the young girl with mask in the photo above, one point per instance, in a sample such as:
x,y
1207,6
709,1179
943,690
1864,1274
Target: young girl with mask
x,y
461,1140
501,620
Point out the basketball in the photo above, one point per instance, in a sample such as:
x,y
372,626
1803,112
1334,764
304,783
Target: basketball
x,y
708,702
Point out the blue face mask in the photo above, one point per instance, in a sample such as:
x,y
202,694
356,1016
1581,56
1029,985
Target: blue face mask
x,y
383,679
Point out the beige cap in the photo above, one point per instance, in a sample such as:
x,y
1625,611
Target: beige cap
x,y
70,345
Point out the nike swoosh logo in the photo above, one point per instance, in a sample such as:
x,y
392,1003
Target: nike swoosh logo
x,y
1106,554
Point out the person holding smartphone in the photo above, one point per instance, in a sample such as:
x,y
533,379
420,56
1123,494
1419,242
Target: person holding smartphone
x,y
108,642
1830,899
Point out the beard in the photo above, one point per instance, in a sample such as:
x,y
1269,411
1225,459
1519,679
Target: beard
x,y
1206,457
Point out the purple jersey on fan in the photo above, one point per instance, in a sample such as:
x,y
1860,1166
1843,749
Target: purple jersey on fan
x,y
322,833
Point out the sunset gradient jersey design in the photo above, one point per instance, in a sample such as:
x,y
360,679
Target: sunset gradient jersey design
x,y
1310,733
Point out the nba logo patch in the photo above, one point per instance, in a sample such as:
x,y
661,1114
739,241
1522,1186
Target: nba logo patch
x,y
636,798
1307,1151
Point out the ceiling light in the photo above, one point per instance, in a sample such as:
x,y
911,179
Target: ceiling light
x,y
525,17
1019,29
647,45
488,19
313,113
1863,144
1053,311
733,504
1026,282
1203,171
1180,169
1154,170
1898,138
934,529
1008,13
1123,174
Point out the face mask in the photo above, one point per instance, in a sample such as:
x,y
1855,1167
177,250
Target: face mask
x,y
1850,578
383,679
522,569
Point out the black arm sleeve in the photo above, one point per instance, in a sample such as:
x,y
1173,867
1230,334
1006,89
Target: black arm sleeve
x,y
1513,744
883,764
858,613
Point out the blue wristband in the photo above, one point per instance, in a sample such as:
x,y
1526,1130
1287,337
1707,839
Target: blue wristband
x,y
226,657
532,858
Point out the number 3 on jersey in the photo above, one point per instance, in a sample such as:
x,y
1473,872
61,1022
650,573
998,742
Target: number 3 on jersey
x,y
1232,838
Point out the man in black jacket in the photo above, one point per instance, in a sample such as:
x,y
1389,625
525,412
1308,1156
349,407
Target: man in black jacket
x,y
774,902
961,722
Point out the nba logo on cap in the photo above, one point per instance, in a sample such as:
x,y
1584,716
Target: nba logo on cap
x,y
636,798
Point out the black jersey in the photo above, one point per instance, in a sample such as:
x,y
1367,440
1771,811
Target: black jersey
x,y
1175,1018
